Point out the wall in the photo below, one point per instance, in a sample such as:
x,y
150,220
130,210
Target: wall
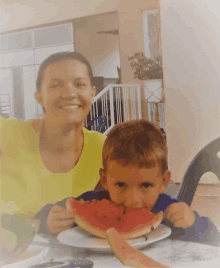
x,y
35,13
131,33
101,50
17,14
47,12
190,43
191,57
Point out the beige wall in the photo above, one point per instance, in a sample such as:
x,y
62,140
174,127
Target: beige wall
x,y
130,24
17,14
191,45
101,50
131,38
20,14
191,57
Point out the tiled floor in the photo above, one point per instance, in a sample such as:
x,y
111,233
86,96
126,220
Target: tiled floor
x,y
207,202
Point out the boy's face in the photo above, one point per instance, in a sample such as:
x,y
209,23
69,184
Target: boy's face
x,y
134,187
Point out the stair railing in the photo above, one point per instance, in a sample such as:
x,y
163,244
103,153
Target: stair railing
x,y
114,104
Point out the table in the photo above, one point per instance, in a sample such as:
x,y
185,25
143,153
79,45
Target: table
x,y
173,253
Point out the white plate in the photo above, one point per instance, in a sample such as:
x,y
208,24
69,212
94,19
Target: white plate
x,y
32,255
77,237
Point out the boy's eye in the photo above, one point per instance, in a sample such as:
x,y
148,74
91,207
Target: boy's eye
x,y
120,184
146,185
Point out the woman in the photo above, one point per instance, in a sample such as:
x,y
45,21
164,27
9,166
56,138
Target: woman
x,y
49,159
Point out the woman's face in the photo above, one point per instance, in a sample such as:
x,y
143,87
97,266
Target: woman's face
x,y
66,92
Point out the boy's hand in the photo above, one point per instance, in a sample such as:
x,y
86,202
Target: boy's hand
x,y
59,219
180,214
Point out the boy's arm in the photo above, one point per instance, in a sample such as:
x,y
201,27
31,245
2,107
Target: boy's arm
x,y
203,230
42,215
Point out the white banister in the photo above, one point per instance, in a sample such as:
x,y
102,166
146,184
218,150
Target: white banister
x,y
114,104
112,114
139,102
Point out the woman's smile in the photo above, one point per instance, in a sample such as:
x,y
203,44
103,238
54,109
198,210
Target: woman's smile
x,y
70,107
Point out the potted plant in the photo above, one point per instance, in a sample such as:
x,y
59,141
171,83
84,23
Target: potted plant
x,y
150,72
146,68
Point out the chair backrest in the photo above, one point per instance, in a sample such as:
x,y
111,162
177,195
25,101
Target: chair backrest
x,y
208,159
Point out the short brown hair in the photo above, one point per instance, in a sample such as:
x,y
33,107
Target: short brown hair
x,y
136,142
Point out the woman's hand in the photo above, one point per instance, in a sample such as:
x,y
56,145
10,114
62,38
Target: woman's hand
x,y
59,219
180,214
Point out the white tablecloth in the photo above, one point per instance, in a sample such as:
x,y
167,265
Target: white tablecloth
x,y
172,253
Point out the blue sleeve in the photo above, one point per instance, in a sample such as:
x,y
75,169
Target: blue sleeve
x,y
202,231
163,201
91,195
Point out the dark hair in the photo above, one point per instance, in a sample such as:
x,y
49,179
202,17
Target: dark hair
x,y
136,142
62,56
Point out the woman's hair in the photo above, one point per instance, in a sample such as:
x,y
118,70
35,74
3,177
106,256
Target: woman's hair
x,y
62,56
136,142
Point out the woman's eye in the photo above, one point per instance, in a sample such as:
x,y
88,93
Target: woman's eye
x,y
120,184
54,86
81,85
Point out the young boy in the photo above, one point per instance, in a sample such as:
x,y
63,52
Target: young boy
x,y
135,174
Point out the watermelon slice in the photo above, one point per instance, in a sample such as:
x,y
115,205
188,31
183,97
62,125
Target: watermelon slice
x,y
128,255
96,217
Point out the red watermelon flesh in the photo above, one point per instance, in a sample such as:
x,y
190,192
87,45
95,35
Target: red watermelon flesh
x,y
97,217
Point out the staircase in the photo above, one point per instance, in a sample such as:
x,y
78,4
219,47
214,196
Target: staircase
x,y
116,103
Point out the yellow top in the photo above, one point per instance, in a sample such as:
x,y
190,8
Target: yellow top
x,y
26,184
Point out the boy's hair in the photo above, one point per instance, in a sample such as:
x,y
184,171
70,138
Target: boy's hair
x,y
136,142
